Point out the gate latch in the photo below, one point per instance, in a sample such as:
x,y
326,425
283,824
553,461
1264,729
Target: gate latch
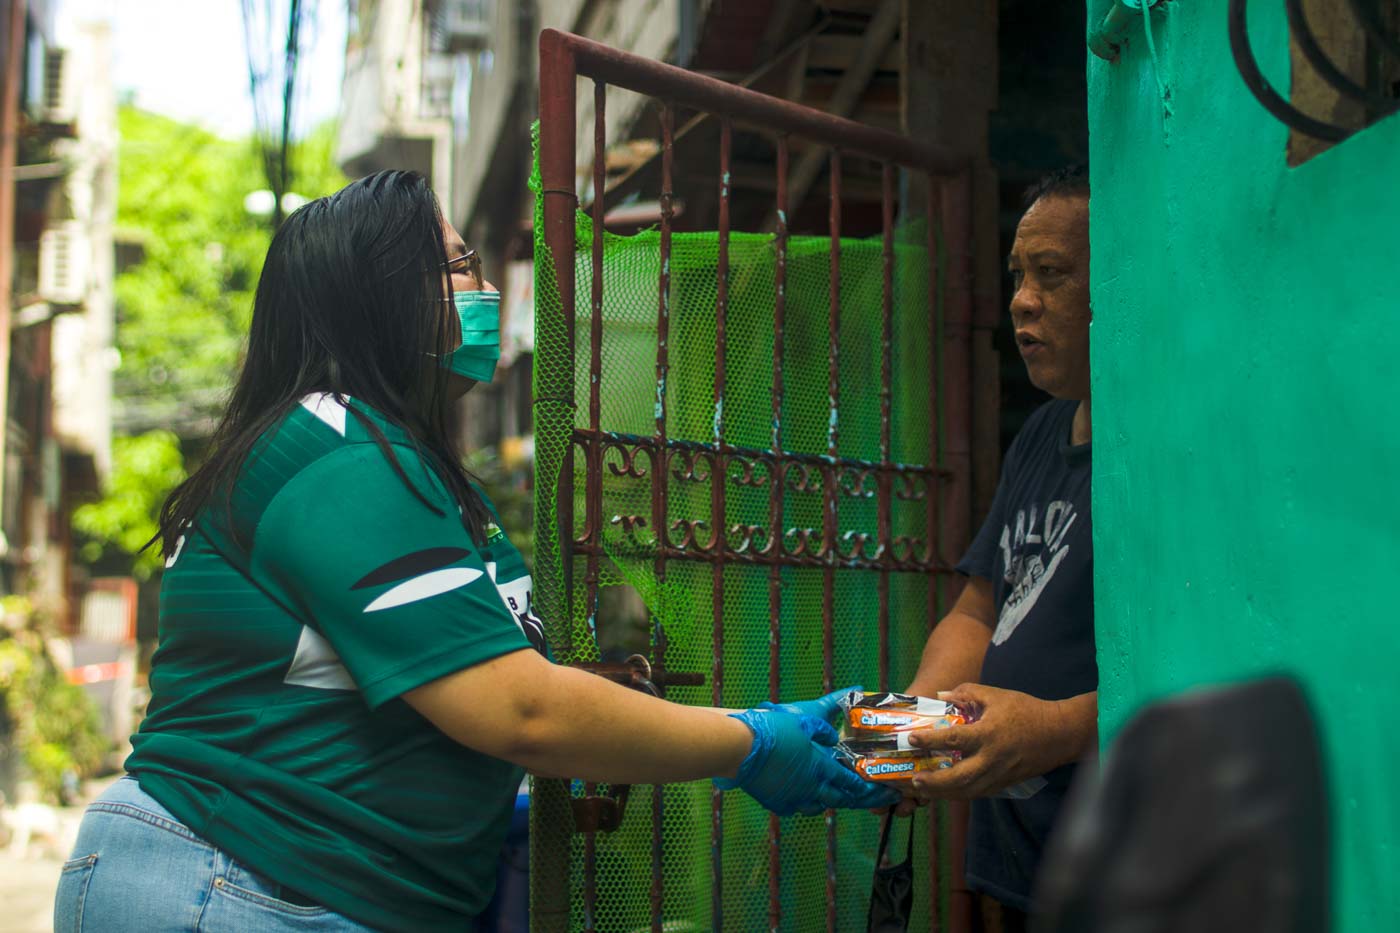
x,y
594,813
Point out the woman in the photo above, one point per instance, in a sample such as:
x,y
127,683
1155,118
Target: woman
x,y
350,676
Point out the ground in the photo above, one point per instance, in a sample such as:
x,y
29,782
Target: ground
x,y
29,878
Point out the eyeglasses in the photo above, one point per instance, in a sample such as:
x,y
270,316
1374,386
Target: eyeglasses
x,y
469,263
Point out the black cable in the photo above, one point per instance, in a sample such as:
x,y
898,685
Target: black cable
x,y
1369,16
1261,89
1312,51
260,122
289,77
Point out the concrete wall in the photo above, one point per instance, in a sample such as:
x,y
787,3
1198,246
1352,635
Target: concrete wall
x,y
1245,519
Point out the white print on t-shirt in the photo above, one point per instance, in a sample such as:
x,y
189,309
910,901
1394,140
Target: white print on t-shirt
x,y
516,595
317,665
1031,558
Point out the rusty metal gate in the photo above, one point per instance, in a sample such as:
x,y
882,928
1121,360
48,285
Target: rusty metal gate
x,y
889,517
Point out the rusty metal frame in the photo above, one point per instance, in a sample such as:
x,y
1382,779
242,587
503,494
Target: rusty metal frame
x,y
943,487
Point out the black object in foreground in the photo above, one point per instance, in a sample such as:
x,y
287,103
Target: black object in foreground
x,y
1210,815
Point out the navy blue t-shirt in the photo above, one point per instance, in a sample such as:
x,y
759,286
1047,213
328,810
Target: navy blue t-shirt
x,y
1036,548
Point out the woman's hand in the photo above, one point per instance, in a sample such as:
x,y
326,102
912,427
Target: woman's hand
x,y
822,708
791,767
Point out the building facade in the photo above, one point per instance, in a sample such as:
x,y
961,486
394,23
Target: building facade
x,y
59,203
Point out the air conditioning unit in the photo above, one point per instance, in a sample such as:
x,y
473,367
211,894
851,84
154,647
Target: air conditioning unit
x,y
63,263
439,73
466,24
60,89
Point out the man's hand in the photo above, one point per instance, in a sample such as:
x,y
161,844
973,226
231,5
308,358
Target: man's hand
x,y
1015,737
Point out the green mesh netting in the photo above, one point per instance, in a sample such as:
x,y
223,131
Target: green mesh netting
x,y
680,607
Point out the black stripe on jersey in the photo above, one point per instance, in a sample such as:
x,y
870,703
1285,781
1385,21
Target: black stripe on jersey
x,y
412,565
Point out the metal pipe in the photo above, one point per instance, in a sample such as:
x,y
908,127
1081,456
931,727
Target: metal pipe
x,y
883,489
661,477
933,211
775,509
549,855
956,219
751,108
718,478
593,480
15,15
593,459
830,481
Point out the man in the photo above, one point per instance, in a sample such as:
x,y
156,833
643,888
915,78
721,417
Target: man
x,y
1018,646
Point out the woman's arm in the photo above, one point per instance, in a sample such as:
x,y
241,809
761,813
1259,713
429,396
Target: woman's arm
x,y
558,720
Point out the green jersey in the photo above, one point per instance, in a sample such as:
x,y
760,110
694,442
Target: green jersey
x,y
290,625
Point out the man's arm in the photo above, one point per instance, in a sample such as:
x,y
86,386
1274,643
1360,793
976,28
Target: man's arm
x,y
1017,736
955,648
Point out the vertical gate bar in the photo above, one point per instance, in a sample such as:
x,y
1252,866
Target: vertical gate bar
x,y
660,476
832,480
718,478
883,487
549,852
595,361
932,530
557,146
957,420
777,484
593,488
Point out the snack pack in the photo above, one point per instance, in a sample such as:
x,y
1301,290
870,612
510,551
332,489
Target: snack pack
x,y
875,730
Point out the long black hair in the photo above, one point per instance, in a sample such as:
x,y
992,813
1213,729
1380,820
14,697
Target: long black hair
x,y
351,301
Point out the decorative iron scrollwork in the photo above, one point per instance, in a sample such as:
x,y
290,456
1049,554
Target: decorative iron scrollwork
x,y
858,482
692,466
744,471
910,487
909,549
804,477
683,534
712,537
852,546
627,454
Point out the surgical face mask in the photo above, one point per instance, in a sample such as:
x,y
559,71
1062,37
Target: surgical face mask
x,y
892,889
480,316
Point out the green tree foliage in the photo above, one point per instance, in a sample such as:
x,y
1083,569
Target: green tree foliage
x,y
144,470
54,724
183,310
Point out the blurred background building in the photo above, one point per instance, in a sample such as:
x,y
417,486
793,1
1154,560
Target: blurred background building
x,y
56,235
58,255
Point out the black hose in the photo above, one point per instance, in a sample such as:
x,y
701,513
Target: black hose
x,y
1312,51
1261,89
1369,16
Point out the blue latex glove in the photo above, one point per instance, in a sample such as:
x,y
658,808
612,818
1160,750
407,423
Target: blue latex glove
x,y
823,708
790,767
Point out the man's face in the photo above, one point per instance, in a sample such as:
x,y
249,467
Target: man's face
x,y
1049,265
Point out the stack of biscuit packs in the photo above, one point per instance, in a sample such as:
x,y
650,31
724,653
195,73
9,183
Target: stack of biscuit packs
x,y
875,730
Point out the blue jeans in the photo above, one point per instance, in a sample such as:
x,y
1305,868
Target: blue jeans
x,y
137,868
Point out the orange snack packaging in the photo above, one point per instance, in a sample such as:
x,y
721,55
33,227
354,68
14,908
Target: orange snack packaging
x,y
875,730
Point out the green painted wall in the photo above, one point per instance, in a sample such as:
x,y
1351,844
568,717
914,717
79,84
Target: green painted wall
x,y
1247,450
